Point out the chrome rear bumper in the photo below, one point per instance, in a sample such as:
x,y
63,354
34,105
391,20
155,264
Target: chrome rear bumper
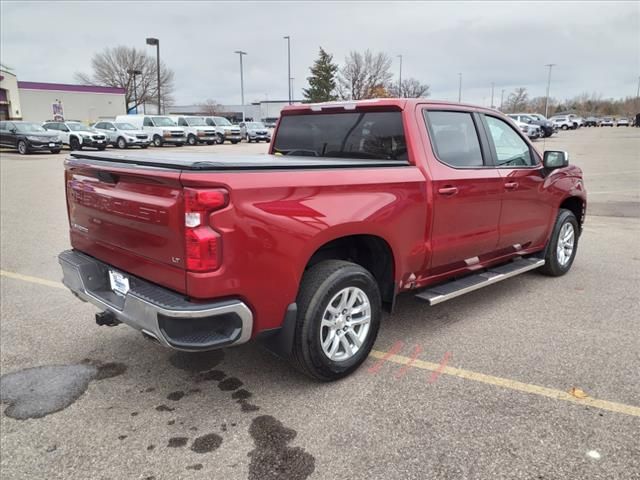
x,y
156,311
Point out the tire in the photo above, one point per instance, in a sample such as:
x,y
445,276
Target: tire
x,y
192,140
23,148
554,265
322,284
157,141
74,144
121,143
565,127
235,141
55,151
219,138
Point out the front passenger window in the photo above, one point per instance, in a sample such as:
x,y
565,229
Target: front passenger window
x,y
147,122
511,149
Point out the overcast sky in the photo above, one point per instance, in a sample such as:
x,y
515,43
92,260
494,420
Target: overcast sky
x,y
596,46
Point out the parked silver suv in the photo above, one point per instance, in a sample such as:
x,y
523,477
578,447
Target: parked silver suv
x,y
123,134
225,130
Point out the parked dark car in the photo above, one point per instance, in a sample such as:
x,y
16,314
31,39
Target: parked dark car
x,y
592,122
28,137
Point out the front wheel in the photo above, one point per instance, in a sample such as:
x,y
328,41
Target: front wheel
x,y
192,140
339,311
219,138
23,149
157,141
74,144
121,143
563,245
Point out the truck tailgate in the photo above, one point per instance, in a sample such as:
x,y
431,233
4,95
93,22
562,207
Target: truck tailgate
x,y
132,218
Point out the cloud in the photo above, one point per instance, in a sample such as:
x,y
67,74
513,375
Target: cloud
x,y
595,45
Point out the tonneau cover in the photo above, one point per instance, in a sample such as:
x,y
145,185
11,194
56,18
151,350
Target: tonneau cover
x,y
209,162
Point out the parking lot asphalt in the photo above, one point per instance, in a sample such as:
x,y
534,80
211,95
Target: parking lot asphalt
x,y
495,392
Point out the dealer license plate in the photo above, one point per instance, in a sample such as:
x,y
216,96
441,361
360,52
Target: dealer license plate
x,y
119,283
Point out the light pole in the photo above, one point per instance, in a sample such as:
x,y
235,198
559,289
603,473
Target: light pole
x,y
501,99
288,39
492,85
291,85
400,78
134,72
459,87
241,53
546,100
156,42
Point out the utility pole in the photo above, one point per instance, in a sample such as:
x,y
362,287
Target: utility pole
x,y
546,100
502,100
291,85
400,81
492,85
288,39
156,42
459,87
241,53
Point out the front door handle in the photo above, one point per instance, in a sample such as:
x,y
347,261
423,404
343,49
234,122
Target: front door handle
x,y
448,190
511,185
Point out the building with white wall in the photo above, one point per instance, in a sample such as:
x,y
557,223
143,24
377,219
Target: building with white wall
x,y
38,101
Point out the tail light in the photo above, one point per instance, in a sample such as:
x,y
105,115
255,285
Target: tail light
x,y
203,245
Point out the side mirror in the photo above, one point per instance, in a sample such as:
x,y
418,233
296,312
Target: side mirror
x,y
555,159
13,130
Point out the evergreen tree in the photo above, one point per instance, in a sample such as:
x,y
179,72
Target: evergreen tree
x,y
322,82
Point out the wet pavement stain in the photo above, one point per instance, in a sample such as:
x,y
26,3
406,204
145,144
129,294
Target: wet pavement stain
x,y
176,442
206,443
196,361
171,422
242,394
197,466
164,408
272,458
151,447
175,396
248,407
215,375
40,391
122,437
229,384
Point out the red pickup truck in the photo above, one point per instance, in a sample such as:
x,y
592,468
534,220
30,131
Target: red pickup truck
x,y
356,203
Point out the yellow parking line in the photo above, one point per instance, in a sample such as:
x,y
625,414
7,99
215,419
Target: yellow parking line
x,y
27,278
453,371
510,384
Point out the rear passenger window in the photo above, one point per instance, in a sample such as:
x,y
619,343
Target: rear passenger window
x,y
454,138
511,149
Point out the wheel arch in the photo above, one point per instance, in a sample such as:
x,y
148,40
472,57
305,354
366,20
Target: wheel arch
x,y
577,206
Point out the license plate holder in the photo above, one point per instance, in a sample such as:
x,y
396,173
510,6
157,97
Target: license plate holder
x,y
119,283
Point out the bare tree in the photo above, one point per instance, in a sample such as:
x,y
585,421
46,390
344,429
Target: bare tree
x,y
411,88
210,107
111,69
517,100
363,74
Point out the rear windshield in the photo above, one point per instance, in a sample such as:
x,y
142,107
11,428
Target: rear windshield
x,y
372,135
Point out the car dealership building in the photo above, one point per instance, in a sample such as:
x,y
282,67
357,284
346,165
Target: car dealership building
x,y
38,101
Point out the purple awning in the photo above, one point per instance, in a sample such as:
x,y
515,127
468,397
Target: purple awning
x,y
63,87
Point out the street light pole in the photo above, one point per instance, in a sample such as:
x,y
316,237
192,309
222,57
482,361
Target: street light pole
x,y
288,39
546,100
400,78
492,85
241,53
501,99
134,72
459,87
156,42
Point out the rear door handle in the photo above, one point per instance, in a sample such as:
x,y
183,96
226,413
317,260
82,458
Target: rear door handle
x,y
511,185
448,190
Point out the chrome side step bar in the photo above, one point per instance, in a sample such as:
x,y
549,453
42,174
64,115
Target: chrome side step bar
x,y
446,291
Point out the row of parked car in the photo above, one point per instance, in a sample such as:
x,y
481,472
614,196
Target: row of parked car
x,y
572,121
129,131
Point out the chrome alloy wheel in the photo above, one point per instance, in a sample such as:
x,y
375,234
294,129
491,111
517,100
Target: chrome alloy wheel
x,y
566,240
345,324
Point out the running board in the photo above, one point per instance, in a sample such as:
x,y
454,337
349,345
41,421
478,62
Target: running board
x,y
446,291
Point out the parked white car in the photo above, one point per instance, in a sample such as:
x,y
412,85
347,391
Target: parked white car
x,y
196,129
607,122
123,134
622,122
77,135
225,130
160,128
530,130
563,122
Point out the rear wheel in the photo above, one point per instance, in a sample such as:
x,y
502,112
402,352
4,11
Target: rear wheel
x,y
563,244
339,311
23,148
121,143
157,141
